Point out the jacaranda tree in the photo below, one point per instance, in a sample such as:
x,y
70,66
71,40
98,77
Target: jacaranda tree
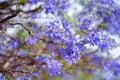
x,y
59,39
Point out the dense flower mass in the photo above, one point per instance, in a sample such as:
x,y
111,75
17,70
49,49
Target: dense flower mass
x,y
109,2
109,11
54,67
71,54
114,66
99,39
59,40
51,6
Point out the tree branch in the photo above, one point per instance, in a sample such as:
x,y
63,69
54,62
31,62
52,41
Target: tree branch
x,y
24,26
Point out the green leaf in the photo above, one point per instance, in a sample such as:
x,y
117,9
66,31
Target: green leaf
x,y
56,78
8,76
22,34
34,78
24,47
82,2
101,26
66,16
1,7
82,76
23,1
44,76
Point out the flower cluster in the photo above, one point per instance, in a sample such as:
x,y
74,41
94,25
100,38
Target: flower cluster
x,y
2,77
99,39
54,67
34,39
51,6
34,1
113,65
12,45
71,54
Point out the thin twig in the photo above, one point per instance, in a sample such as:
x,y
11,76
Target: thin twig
x,y
24,26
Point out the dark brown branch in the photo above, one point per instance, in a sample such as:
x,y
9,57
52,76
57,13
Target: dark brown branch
x,y
7,18
21,61
25,27
5,71
34,10
30,33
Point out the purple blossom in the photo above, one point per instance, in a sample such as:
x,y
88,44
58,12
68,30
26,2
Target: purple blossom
x,y
55,35
69,42
71,54
91,70
113,66
99,39
51,6
24,77
39,34
12,45
97,59
22,53
20,78
49,9
54,67
1,47
31,40
85,24
2,77
36,74
80,46
35,1
65,25
40,58
107,2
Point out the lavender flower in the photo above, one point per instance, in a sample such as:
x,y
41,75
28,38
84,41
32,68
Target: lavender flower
x,y
71,54
34,1
1,47
12,45
108,2
36,74
99,39
24,77
40,58
2,77
54,67
51,6
31,40
113,66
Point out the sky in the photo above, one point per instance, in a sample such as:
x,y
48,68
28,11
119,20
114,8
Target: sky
x,y
117,1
